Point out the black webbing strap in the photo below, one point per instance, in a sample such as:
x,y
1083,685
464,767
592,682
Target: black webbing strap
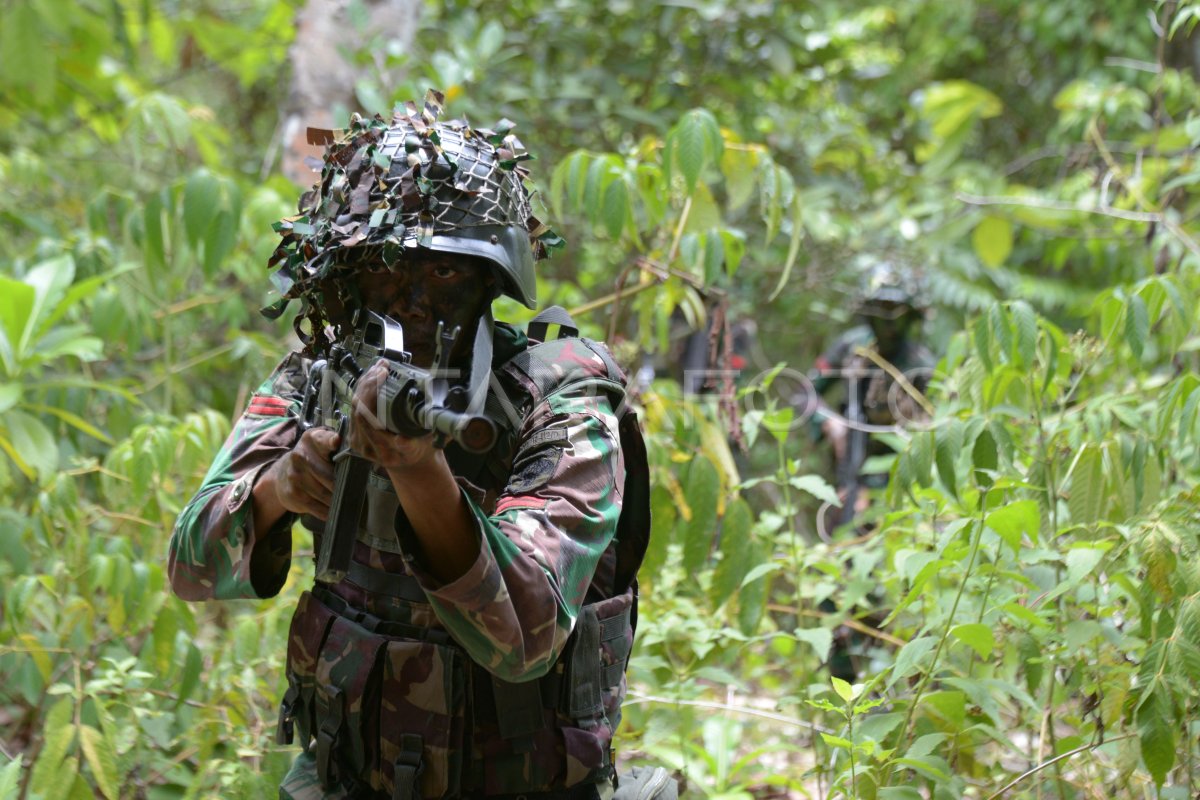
x,y
584,692
518,711
539,326
408,768
378,581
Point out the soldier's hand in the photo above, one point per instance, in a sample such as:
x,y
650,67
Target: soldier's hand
x,y
834,430
369,437
303,479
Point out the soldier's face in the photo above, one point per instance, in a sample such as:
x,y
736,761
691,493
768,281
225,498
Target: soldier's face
x,y
426,289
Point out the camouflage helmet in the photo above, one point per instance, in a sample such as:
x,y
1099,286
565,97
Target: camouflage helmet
x,y
389,189
889,290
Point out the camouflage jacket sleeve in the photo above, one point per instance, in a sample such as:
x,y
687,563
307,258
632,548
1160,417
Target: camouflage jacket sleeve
x,y
515,607
215,553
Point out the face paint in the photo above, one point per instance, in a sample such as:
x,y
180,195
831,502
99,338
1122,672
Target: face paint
x,y
426,289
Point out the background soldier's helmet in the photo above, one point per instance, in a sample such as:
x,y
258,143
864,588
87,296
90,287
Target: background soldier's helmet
x,y
889,291
390,189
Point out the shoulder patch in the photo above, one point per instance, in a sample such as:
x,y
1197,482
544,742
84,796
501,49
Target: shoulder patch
x,y
267,405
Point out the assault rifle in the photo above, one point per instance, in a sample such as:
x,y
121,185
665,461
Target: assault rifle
x,y
411,402
856,452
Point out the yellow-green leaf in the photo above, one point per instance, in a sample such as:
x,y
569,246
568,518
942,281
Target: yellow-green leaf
x,y
102,760
993,240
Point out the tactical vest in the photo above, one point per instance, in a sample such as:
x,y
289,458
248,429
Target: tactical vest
x,y
390,705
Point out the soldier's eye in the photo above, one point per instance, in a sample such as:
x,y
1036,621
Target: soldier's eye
x,y
444,271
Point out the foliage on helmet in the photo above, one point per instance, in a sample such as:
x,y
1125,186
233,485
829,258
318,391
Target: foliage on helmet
x,y
886,283
387,189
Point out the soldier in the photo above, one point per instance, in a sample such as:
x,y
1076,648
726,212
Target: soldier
x,y
863,365
477,644
857,377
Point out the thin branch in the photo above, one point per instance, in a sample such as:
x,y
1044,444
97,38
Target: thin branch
x,y
1053,761
637,697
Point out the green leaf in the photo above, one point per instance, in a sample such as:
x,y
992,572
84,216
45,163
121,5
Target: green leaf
x,y
816,486
1025,323
191,672
102,759
153,237
616,207
899,793
59,733
984,458
1137,326
977,636
740,168
1087,499
820,639
1014,520
993,240
1156,733
16,306
10,395
703,490
843,689
201,200
735,554
10,778
912,658
948,444
752,597
692,145
32,441
220,241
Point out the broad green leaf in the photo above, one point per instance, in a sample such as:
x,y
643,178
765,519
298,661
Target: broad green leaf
x,y
10,778
102,760
740,165
843,689
839,742
948,444
752,597
1087,499
1081,561
50,280
977,636
735,563
993,240
616,207
703,488
1025,324
984,458
191,672
154,238
32,441
10,395
899,793
1014,520
201,201
1137,326
816,486
820,639
1156,733
59,735
219,242
16,306
912,658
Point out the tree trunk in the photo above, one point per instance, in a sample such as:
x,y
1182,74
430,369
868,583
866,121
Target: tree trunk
x,y
327,31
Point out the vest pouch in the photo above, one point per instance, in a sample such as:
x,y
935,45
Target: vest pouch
x,y
346,693
422,720
310,624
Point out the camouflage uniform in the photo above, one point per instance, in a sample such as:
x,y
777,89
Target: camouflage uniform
x,y
546,516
